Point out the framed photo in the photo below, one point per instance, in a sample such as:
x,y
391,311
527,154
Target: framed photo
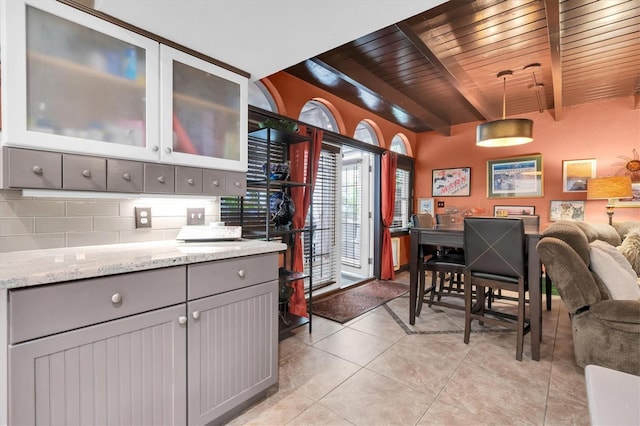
x,y
454,182
425,205
575,174
515,177
634,201
566,210
502,211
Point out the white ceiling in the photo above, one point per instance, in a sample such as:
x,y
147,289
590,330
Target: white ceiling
x,y
262,37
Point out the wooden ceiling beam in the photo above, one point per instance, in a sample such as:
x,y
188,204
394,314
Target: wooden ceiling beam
x,y
552,11
357,75
452,71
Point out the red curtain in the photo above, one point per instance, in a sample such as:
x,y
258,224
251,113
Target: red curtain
x,y
301,162
388,197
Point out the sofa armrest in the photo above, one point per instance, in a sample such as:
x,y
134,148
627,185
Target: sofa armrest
x,y
622,311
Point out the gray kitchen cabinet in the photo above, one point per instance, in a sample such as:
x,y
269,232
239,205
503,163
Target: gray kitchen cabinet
x,y
124,176
233,350
84,173
128,371
159,179
188,180
33,169
236,183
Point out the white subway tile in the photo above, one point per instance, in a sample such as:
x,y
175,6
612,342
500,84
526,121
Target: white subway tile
x,y
113,223
77,239
39,208
63,224
31,242
141,235
16,226
84,208
7,209
169,222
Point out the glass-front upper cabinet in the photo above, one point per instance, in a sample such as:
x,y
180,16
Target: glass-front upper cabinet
x,y
203,113
76,83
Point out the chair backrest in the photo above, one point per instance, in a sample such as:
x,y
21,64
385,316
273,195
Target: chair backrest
x,y
495,246
530,221
443,219
424,220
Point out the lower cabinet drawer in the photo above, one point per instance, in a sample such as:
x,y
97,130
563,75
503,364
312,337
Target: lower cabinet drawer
x,y
49,309
84,173
33,169
206,279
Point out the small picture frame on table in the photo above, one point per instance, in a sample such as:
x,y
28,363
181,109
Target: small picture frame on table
x,y
504,211
566,210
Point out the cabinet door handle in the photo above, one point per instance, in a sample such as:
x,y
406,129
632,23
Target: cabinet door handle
x,y
86,173
155,148
196,314
237,184
241,273
126,176
167,150
161,179
182,320
37,170
190,181
215,183
116,298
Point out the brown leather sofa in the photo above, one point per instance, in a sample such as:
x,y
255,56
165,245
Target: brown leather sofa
x,y
606,332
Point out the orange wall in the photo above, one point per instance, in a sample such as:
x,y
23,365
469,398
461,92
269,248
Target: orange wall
x,y
602,130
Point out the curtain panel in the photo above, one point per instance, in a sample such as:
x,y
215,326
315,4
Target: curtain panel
x,y
388,199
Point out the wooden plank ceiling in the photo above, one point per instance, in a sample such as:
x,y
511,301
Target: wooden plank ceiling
x,y
439,68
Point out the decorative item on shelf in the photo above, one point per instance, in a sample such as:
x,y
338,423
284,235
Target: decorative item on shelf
x,y
504,132
281,210
278,171
287,125
610,188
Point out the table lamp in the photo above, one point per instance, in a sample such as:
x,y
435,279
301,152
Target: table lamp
x,y
609,188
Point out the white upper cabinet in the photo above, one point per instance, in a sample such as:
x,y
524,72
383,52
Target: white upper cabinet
x,y
75,83
203,113
72,82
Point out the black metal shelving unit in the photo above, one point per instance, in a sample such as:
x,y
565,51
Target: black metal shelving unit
x,y
277,144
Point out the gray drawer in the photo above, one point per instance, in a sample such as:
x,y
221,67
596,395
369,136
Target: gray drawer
x,y
44,310
206,279
213,182
84,173
159,178
124,176
236,184
34,169
188,180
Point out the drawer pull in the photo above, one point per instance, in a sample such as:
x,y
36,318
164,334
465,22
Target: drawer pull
x,y
86,173
190,181
182,320
161,179
241,273
155,148
37,170
215,183
116,298
167,150
196,314
237,184
126,176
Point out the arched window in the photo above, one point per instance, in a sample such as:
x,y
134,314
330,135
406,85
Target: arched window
x,y
398,145
365,133
260,97
317,114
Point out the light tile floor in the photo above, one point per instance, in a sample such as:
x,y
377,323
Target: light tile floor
x,y
378,370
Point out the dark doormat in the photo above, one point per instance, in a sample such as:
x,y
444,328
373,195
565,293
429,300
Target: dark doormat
x,y
348,304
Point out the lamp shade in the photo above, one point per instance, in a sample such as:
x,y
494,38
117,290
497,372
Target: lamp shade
x,y
505,132
610,187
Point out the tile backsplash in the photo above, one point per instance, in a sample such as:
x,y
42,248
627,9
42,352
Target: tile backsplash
x,y
28,223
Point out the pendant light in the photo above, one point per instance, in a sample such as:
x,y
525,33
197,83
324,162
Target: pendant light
x,y
505,132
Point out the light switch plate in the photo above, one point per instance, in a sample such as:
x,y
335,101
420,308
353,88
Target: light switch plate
x,y
143,217
195,216
440,204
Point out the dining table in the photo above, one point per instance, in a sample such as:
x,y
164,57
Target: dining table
x,y
452,235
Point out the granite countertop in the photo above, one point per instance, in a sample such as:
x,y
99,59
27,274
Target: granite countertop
x,y
34,267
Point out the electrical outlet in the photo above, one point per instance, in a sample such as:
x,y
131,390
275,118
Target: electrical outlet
x,y
440,204
143,217
195,216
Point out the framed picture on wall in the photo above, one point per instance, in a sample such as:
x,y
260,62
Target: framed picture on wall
x,y
575,174
515,177
634,201
425,205
566,210
455,182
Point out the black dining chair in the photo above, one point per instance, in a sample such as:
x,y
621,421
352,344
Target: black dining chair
x,y
444,268
495,257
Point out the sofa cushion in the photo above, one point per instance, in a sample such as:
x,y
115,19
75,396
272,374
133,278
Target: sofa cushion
x,y
571,233
614,270
606,232
630,248
624,228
